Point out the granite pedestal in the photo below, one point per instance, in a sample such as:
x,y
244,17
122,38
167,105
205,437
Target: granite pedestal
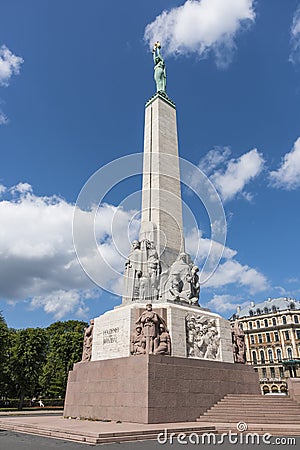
x,y
153,388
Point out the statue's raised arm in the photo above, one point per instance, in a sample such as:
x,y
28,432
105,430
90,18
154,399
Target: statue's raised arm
x,y
159,69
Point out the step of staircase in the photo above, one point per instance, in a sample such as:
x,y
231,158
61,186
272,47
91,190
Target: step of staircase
x,y
83,435
256,409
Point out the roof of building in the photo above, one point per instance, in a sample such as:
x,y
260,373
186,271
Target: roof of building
x,y
268,306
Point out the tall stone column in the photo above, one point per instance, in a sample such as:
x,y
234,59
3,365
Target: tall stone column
x,y
161,196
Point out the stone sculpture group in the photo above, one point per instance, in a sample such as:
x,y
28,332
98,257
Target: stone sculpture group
x,y
145,281
202,337
151,335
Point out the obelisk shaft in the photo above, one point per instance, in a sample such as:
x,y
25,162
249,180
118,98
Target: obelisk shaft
x,y
161,195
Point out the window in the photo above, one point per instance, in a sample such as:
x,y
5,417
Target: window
x,y
258,311
262,357
279,356
283,320
270,355
266,323
297,334
290,353
260,339
281,372
287,335
250,325
296,319
274,308
266,310
272,369
276,336
252,339
257,324
292,305
251,312
254,357
268,337
274,321
264,372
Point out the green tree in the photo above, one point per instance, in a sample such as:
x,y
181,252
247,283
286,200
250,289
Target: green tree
x,y
4,381
64,349
27,356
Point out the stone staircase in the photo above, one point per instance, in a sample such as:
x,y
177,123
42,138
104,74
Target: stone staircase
x,y
264,413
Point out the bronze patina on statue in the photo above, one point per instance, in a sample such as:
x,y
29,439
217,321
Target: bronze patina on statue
x,y
159,69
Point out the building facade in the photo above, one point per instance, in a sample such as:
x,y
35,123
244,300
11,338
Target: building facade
x,y
272,338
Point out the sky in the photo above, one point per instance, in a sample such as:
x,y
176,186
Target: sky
x,y
74,79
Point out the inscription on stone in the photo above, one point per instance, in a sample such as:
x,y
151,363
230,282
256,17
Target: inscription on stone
x,y
110,335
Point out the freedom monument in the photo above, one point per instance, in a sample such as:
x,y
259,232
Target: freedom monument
x,y
159,356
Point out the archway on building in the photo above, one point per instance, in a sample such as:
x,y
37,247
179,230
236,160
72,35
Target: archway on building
x,y
283,389
266,390
274,389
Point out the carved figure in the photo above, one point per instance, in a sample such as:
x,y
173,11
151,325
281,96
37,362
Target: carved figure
x,y
213,344
159,69
138,342
162,342
87,342
149,322
191,335
154,270
176,285
144,289
238,341
133,271
183,282
154,330
193,279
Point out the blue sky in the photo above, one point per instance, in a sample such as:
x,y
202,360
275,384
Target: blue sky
x,y
74,78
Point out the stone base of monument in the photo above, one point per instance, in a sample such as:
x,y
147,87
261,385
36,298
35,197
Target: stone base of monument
x,y
153,388
194,331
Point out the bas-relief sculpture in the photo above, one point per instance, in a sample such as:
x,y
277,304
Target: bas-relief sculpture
x,y
144,280
238,342
202,337
88,342
151,335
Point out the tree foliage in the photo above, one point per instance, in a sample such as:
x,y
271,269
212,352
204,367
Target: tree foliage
x,y
36,361
3,354
27,356
64,349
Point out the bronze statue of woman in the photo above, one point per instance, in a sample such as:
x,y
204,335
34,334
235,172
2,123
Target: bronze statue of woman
x,y
159,69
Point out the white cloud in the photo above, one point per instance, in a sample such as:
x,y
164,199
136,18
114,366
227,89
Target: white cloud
x,y
201,27
288,174
232,180
38,261
213,159
224,303
9,65
199,247
295,38
3,118
233,272
229,271
60,303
